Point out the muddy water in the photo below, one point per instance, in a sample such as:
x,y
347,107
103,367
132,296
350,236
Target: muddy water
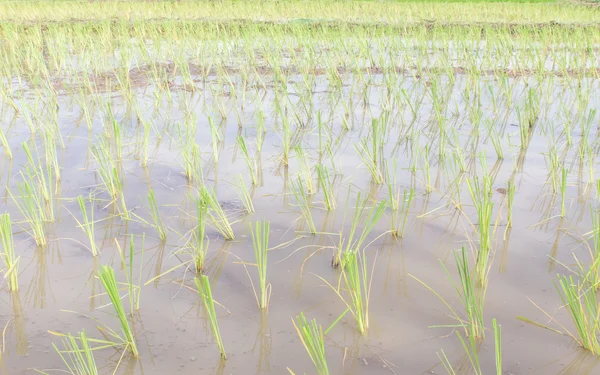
x,y
59,290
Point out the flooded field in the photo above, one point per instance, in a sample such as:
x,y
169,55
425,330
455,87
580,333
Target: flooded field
x,y
407,188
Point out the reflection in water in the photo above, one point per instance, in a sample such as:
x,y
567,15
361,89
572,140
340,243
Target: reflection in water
x,y
220,369
214,265
19,324
36,291
584,363
263,339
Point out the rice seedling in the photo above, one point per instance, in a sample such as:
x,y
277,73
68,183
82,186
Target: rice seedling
x,y
203,286
471,350
216,213
109,281
155,213
10,260
510,199
5,145
311,335
244,194
199,240
563,192
305,172
304,203
88,224
251,163
471,296
367,218
260,241
327,187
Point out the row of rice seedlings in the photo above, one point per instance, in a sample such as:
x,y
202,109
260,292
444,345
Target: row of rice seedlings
x,y
471,350
88,223
9,258
326,184
471,294
155,213
260,242
303,202
311,336
109,281
244,194
250,162
203,286
216,213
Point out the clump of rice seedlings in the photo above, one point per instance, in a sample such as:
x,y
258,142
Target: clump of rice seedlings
x,y
400,216
371,153
471,350
11,261
79,360
481,194
358,285
192,162
311,335
109,174
216,213
155,213
251,163
244,194
363,217
260,241
581,302
33,211
40,182
107,276
199,240
305,172
107,169
203,286
5,145
471,296
304,204
326,184
87,224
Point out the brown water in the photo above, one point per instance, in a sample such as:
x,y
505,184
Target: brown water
x,y
172,333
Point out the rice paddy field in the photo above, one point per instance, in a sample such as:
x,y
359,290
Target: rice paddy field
x,y
299,187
